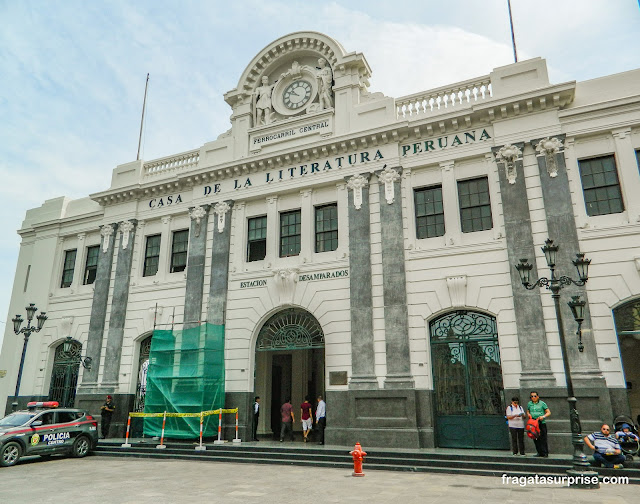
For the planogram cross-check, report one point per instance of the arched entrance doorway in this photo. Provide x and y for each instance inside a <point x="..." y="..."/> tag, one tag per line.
<point x="64" y="376"/>
<point x="467" y="378"/>
<point x="289" y="365"/>
<point x="627" y="320"/>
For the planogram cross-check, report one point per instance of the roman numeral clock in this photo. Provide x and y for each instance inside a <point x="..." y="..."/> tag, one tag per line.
<point x="297" y="94"/>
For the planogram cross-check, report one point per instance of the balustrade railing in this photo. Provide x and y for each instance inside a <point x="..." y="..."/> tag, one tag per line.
<point x="443" y="98"/>
<point x="178" y="162"/>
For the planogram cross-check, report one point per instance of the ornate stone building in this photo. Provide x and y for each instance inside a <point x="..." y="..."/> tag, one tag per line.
<point x="358" y="246"/>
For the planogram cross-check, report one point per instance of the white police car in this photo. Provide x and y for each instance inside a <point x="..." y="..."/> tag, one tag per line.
<point x="44" y="429"/>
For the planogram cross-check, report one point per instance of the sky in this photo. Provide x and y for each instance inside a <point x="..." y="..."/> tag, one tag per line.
<point x="72" y="73"/>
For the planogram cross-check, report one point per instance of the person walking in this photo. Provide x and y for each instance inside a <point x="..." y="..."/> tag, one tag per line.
<point x="286" y="411"/>
<point x="515" y="419"/>
<point x="307" y="417"/>
<point x="538" y="410"/>
<point x="107" y="411"/>
<point x="256" y="417"/>
<point x="321" y="418"/>
<point x="606" y="449"/>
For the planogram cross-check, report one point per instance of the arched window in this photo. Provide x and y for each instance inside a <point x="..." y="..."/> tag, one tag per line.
<point x="143" y="369"/>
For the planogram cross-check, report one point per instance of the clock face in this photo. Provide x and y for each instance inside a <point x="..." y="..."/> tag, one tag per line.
<point x="297" y="94"/>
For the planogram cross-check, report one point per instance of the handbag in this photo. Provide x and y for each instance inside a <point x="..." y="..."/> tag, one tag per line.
<point x="533" y="428"/>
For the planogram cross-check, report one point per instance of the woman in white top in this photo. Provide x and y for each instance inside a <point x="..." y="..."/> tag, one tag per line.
<point x="515" y="418"/>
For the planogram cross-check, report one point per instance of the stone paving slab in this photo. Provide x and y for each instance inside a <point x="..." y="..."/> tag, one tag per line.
<point x="141" y="481"/>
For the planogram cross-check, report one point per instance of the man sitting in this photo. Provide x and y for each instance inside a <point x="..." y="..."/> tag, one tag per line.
<point x="606" y="448"/>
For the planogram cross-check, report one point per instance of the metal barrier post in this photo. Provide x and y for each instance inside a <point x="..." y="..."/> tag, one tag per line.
<point x="162" y="446"/>
<point x="237" y="440"/>
<point x="126" y="441"/>
<point x="219" y="440"/>
<point x="201" y="447"/>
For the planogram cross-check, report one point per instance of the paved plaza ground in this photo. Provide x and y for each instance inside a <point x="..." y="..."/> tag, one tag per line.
<point x="98" y="479"/>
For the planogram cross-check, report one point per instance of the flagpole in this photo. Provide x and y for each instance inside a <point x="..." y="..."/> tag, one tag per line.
<point x="513" y="38"/>
<point x="144" y="104"/>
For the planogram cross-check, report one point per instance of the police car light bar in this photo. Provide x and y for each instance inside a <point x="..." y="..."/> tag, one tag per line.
<point x="43" y="404"/>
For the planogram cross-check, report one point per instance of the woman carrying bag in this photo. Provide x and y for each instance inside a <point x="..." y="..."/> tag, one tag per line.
<point x="515" y="419"/>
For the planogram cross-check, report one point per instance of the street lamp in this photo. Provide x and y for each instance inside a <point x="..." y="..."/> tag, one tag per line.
<point x="17" y="322"/>
<point x="81" y="359"/>
<point x="555" y="284"/>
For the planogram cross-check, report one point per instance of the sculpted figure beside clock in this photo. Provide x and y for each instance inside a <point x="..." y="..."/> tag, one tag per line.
<point x="325" y="84"/>
<point x="263" y="105"/>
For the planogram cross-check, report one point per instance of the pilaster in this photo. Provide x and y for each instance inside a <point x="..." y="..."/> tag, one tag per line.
<point x="119" y="303"/>
<point x="308" y="225"/>
<point x="195" y="265"/>
<point x="99" y="306"/>
<point x="361" y="297"/>
<point x="220" y="248"/>
<point x="627" y="165"/>
<point x="273" y="230"/>
<point x="532" y="338"/>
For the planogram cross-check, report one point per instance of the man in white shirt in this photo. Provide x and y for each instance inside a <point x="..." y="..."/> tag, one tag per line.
<point x="256" y="416"/>
<point x="321" y="418"/>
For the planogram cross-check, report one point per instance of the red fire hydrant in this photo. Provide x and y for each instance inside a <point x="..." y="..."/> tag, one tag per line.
<point x="358" y="456"/>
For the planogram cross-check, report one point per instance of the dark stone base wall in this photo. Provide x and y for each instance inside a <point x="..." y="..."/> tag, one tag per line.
<point x="244" y="402"/>
<point x="123" y="402"/>
<point x="380" y="418"/>
<point x="619" y="402"/>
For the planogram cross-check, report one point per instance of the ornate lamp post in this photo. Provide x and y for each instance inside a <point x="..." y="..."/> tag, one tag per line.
<point x="17" y="322"/>
<point x="555" y="284"/>
<point x="85" y="361"/>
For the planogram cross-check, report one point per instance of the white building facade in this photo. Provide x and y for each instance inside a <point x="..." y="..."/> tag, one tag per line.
<point x="359" y="247"/>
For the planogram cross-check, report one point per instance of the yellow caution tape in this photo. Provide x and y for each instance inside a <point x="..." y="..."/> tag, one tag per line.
<point x="181" y="415"/>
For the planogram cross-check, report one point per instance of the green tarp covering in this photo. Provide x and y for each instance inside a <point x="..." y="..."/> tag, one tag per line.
<point x="186" y="375"/>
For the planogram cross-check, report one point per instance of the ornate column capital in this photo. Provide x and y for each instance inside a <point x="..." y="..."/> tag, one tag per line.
<point x="220" y="209"/>
<point x="125" y="228"/>
<point x="388" y="176"/>
<point x="446" y="166"/>
<point x="106" y="232"/>
<point x="356" y="183"/>
<point x="508" y="155"/>
<point x="548" y="148"/>
<point x="196" y="214"/>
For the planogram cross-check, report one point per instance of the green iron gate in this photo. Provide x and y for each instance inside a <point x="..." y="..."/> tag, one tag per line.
<point x="64" y="376"/>
<point x="467" y="375"/>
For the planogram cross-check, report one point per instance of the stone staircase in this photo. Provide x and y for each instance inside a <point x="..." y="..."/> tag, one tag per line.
<point x="436" y="461"/>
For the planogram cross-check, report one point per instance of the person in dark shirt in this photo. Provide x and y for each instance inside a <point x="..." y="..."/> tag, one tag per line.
<point x="307" y="417"/>
<point x="256" y="418"/>
<point x="287" y="420"/>
<point x="107" y="411"/>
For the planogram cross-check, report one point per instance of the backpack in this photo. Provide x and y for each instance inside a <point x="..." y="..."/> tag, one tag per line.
<point x="533" y="428"/>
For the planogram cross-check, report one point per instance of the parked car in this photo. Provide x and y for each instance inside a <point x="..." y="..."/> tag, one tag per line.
<point x="45" y="429"/>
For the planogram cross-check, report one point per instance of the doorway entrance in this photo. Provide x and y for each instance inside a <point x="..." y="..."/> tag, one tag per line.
<point x="289" y="365"/>
<point x="627" y="320"/>
<point x="64" y="375"/>
<point x="467" y="375"/>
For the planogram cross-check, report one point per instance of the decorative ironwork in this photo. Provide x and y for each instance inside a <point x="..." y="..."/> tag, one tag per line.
<point x="64" y="376"/>
<point x="466" y="364"/>
<point x="463" y="325"/>
<point x="627" y="317"/>
<point x="290" y="329"/>
<point x="143" y="370"/>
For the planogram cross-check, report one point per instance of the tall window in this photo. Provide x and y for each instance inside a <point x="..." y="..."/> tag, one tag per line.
<point x="151" y="255"/>
<point x="91" y="266"/>
<point x="475" y="205"/>
<point x="429" y="212"/>
<point x="327" y="228"/>
<point x="68" y="267"/>
<point x="257" y="243"/>
<point x="179" y="251"/>
<point x="600" y="186"/>
<point x="290" y="229"/>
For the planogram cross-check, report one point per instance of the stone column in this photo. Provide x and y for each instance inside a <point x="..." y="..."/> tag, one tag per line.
<point x="220" y="263"/>
<point x="562" y="230"/>
<point x="195" y="265"/>
<point x="363" y="375"/>
<point x="119" y="305"/>
<point x="394" y="285"/>
<point x="99" y="306"/>
<point x="307" y="221"/>
<point x="532" y="339"/>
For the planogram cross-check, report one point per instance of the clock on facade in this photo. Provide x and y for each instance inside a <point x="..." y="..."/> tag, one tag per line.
<point x="297" y="94"/>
